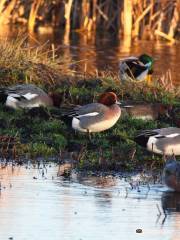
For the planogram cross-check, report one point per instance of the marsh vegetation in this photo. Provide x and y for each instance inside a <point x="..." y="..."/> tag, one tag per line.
<point x="42" y="133"/>
<point x="137" y="18"/>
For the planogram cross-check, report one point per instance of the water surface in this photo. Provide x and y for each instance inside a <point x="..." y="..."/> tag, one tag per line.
<point x="102" y="51"/>
<point x="41" y="205"/>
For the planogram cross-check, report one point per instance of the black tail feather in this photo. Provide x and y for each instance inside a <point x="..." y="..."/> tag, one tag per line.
<point x="3" y="97"/>
<point x="57" y="113"/>
<point x="142" y="140"/>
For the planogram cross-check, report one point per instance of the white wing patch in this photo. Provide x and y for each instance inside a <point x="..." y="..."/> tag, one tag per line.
<point x="172" y="135"/>
<point x="11" y="102"/>
<point x="145" y="117"/>
<point x="88" y="114"/>
<point x="14" y="95"/>
<point x="29" y="96"/>
<point x="11" y="99"/>
<point x="128" y="106"/>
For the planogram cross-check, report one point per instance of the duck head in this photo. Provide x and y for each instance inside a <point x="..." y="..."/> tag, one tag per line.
<point x="57" y="98"/>
<point x="164" y="109"/>
<point x="147" y="61"/>
<point x="108" y="99"/>
<point x="175" y="115"/>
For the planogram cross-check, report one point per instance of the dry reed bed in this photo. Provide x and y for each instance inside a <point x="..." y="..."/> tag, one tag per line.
<point x="136" y="18"/>
<point x="20" y="63"/>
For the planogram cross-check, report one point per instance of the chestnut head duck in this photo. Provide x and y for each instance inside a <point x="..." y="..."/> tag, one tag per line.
<point x="95" y="117"/>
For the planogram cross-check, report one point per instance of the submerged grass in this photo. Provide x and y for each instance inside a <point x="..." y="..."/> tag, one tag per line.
<point x="44" y="135"/>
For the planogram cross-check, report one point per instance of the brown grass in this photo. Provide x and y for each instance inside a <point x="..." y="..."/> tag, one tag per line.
<point x="21" y="63"/>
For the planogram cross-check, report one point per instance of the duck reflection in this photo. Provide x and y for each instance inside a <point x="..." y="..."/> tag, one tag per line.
<point x="103" y="199"/>
<point x="97" y="181"/>
<point x="170" y="202"/>
<point x="102" y="188"/>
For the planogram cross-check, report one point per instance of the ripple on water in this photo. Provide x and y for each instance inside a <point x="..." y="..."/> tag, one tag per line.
<point x="33" y="206"/>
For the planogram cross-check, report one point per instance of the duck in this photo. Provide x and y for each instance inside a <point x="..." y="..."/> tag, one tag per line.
<point x="95" y="117"/>
<point x="145" y="111"/>
<point x="163" y="141"/>
<point x="27" y="96"/>
<point x="175" y="116"/>
<point x="136" y="68"/>
<point x="171" y="174"/>
<point x="170" y="203"/>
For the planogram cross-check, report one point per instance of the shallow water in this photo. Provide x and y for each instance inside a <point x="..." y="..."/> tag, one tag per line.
<point x="40" y="205"/>
<point x="103" y="51"/>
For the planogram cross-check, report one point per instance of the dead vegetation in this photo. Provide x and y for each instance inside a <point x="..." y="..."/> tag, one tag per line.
<point x="135" y="18"/>
<point x="39" y="137"/>
<point x="21" y="63"/>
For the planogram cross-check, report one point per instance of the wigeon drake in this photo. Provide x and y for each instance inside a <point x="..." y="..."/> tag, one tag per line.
<point x="95" y="117"/>
<point x="27" y="96"/>
<point x="164" y="141"/>
<point x="145" y="111"/>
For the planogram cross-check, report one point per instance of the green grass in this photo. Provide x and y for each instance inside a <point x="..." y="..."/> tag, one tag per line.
<point x="48" y="136"/>
<point x="112" y="149"/>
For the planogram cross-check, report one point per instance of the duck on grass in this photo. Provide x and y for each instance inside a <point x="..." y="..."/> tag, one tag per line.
<point x="45" y="132"/>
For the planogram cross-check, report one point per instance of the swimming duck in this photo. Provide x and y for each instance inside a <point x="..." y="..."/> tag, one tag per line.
<point x="95" y="117"/>
<point x="28" y="96"/>
<point x="136" y="68"/>
<point x="171" y="175"/>
<point x="145" y="111"/>
<point x="164" y="141"/>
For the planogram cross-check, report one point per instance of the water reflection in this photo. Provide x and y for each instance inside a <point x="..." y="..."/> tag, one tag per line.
<point x="46" y="207"/>
<point x="171" y="207"/>
<point x="103" y="51"/>
<point x="171" y="202"/>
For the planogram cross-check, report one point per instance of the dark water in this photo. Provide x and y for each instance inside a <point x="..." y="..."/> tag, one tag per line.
<point x="103" y="51"/>
<point x="46" y="207"/>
